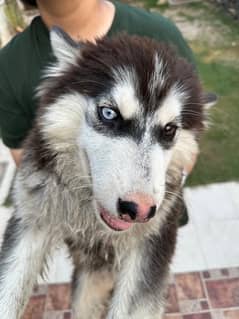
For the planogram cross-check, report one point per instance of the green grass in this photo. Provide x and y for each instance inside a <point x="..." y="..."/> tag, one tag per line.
<point x="219" y="158"/>
<point x="150" y="3"/>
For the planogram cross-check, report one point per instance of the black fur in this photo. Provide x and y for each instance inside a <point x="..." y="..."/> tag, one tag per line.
<point x="120" y="128"/>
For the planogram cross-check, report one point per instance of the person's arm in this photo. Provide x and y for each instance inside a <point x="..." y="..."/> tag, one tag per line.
<point x="16" y="155"/>
<point x="13" y="121"/>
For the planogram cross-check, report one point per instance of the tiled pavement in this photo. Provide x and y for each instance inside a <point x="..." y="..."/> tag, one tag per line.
<point x="210" y="294"/>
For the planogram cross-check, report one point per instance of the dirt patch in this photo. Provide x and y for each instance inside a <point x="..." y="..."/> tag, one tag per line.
<point x="198" y="23"/>
<point x="195" y="24"/>
<point x="205" y="31"/>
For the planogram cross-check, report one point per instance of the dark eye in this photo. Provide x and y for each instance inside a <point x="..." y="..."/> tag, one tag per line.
<point x="107" y="113"/>
<point x="170" y="130"/>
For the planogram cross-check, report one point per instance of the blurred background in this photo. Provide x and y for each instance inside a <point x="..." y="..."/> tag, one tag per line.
<point x="205" y="284"/>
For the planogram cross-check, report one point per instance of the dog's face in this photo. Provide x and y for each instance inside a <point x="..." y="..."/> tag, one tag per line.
<point x="134" y="109"/>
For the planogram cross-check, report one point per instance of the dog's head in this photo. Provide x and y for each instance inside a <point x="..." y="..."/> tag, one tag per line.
<point x="136" y="111"/>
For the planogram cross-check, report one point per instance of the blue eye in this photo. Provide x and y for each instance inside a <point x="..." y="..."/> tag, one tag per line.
<point x="108" y="113"/>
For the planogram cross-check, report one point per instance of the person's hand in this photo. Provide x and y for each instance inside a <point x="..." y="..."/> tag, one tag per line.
<point x="188" y="168"/>
<point x="16" y="155"/>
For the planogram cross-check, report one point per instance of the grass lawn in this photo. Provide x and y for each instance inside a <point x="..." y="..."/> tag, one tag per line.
<point x="218" y="65"/>
<point x="219" y="159"/>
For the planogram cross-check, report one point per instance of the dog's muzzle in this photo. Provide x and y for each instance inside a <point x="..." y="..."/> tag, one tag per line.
<point x="134" y="208"/>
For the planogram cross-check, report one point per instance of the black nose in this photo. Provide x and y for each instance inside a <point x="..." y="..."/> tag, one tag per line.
<point x="127" y="208"/>
<point x="132" y="209"/>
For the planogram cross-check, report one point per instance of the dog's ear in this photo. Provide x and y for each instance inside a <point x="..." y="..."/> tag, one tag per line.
<point x="209" y="99"/>
<point x="64" y="47"/>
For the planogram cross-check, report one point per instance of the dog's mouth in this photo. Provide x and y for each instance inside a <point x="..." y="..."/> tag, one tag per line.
<point x="113" y="222"/>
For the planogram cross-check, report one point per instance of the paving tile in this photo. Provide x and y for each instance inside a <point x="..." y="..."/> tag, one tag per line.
<point x="171" y="279"/>
<point x="233" y="272"/>
<point x="54" y="315"/>
<point x="216" y="241"/>
<point x="217" y="273"/>
<point x="204" y="304"/>
<point x="233" y="189"/>
<point x="223" y="293"/>
<point x="40" y="290"/>
<point x="186" y="297"/>
<point x="67" y="315"/>
<point x="172" y="300"/>
<point x="211" y="202"/>
<point x="217" y="314"/>
<point x="35" y="308"/>
<point x="206" y="274"/>
<point x="60" y="267"/>
<point x="189" y="286"/>
<point x="188" y="255"/>
<point x="223" y="273"/>
<point x="189" y="306"/>
<point x="172" y="316"/>
<point x="58" y="297"/>
<point x="205" y="315"/>
<point x="231" y="314"/>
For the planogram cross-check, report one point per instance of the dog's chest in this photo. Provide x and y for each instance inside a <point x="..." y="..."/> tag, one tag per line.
<point x="92" y="255"/>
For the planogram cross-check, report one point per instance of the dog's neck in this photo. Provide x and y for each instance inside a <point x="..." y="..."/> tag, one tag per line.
<point x="81" y="19"/>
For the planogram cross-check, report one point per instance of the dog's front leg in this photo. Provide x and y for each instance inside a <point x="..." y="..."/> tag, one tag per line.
<point x="21" y="259"/>
<point x="139" y="291"/>
<point x="91" y="292"/>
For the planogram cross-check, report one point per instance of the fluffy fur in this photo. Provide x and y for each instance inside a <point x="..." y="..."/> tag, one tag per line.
<point x="76" y="161"/>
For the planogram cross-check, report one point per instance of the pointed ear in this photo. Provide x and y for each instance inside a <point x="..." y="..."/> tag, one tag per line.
<point x="209" y="99"/>
<point x="64" y="47"/>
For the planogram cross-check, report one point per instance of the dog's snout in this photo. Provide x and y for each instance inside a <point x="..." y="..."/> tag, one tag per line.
<point x="136" y="207"/>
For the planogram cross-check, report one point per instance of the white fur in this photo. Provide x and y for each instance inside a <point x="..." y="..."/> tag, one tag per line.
<point x="157" y="78"/>
<point x="185" y="149"/>
<point x="127" y="168"/>
<point x="124" y="93"/>
<point x="61" y="122"/>
<point x="66" y="55"/>
<point x="64" y="52"/>
<point x="24" y="265"/>
<point x="171" y="107"/>
<point x="91" y="295"/>
<point x="125" y="287"/>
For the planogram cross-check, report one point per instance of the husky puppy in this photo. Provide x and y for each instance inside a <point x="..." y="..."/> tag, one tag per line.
<point x="102" y="168"/>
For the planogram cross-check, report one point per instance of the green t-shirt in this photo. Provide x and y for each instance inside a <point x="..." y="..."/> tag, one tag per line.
<point x="26" y="55"/>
